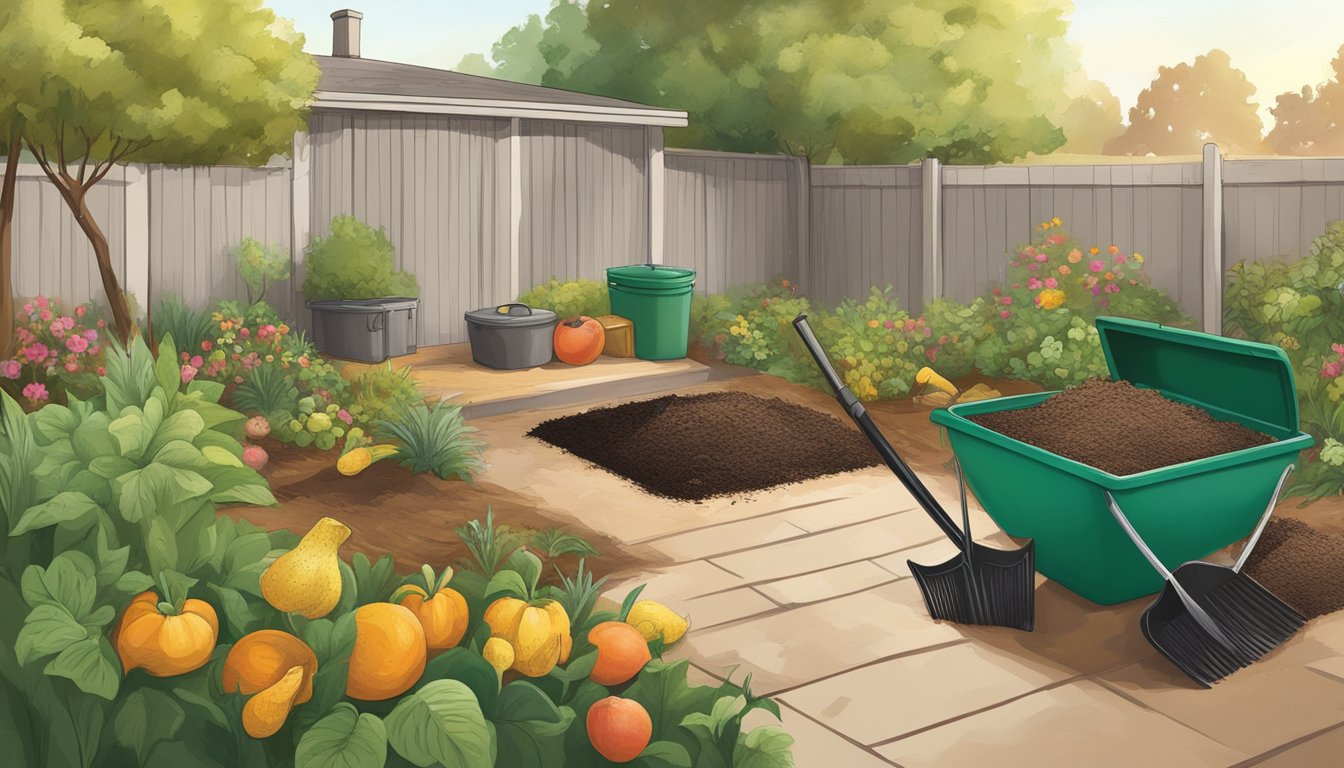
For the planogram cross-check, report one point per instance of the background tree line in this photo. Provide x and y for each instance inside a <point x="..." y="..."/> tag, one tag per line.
<point x="873" y="81"/>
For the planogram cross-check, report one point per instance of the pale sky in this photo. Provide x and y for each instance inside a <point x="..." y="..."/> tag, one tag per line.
<point x="1280" y="46"/>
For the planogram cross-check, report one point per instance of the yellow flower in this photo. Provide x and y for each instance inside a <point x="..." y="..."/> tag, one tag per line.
<point x="1056" y="221"/>
<point x="1138" y="257"/>
<point x="872" y="323"/>
<point x="1094" y="250"/>
<point x="1075" y="256"/>
<point x="1050" y="298"/>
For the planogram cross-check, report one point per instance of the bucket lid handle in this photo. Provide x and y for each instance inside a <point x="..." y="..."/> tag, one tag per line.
<point x="507" y="309"/>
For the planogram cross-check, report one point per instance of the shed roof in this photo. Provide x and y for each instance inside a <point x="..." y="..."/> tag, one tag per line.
<point x="386" y="86"/>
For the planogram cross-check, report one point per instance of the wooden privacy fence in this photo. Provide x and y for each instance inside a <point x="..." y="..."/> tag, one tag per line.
<point x="482" y="208"/>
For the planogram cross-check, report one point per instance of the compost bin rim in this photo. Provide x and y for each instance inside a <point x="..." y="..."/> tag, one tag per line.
<point x="950" y="418"/>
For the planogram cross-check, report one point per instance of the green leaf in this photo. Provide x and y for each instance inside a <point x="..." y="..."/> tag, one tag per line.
<point x="134" y="582"/>
<point x="222" y="456"/>
<point x="468" y="668"/>
<point x="629" y="602"/>
<point x="46" y="630"/>
<point x="112" y="467"/>
<point x="507" y="582"/>
<point x="134" y="430"/>
<point x="343" y="738"/>
<point x="442" y="723"/>
<point x="69" y="509"/>
<point x="664" y="754"/>
<point x="111" y="562"/>
<point x="376" y="580"/>
<point x="530" y="728"/>
<point x="577" y="669"/>
<point x="209" y="391"/>
<point x="91" y="664"/>
<point x="768" y="746"/>
<point x="146" y="491"/>
<point x="180" y="454"/>
<point x="146" y="718"/>
<point x="239" y="616"/>
<point x="258" y="495"/>
<point x="166" y="373"/>
<point x="528" y="566"/>
<point x="68" y="582"/>
<point x="666" y="695"/>
<point x="332" y="643"/>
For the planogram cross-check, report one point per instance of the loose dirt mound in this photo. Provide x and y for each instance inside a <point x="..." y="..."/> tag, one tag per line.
<point x="1301" y="565"/>
<point x="1119" y="428"/>
<point x="695" y="447"/>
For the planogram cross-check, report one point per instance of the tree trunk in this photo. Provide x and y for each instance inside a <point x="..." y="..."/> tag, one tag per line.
<point x="7" y="246"/>
<point x="116" y="297"/>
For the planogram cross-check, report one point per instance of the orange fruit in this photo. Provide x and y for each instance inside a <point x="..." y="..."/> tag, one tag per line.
<point x="165" y="645"/>
<point x="443" y="617"/>
<point x="619" y="729"/>
<point x="261" y="659"/>
<point x="389" y="654"/>
<point x="621" y="652"/>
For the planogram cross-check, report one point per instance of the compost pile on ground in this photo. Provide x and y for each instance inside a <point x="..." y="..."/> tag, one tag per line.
<point x="698" y="446"/>
<point x="1301" y="565"/>
<point x="1122" y="429"/>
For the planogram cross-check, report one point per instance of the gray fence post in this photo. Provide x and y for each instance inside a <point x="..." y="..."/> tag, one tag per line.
<point x="1213" y="240"/>
<point x="931" y="192"/>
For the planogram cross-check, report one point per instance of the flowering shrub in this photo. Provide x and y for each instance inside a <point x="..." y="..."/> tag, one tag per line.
<point x="1040" y="323"/>
<point x="570" y="298"/>
<point x="751" y="325"/>
<point x="55" y="352"/>
<point x="878" y="347"/>
<point x="1299" y="306"/>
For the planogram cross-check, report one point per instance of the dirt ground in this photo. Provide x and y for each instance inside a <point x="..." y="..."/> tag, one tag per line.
<point x="413" y="517"/>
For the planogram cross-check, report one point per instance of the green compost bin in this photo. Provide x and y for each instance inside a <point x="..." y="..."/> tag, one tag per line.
<point x="1184" y="511"/>
<point x="657" y="301"/>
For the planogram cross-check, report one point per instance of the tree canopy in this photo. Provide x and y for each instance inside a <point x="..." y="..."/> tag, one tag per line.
<point x="1311" y="122"/>
<point x="853" y="81"/>
<point x="1091" y="119"/>
<point x="1189" y="105"/>
<point x="191" y="82"/>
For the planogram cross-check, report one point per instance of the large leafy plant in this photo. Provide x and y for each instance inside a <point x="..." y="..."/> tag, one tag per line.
<point x="355" y="261"/>
<point x="570" y="298"/>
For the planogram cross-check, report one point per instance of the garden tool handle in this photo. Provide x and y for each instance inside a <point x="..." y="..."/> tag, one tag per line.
<point x="865" y="423"/>
<point x="927" y="375"/>
<point x="1264" y="520"/>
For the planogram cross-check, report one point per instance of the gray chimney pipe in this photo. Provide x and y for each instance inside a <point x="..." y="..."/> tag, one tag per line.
<point x="345" y="33"/>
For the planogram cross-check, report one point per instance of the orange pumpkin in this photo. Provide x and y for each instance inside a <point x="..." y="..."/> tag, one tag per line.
<point x="389" y="654"/>
<point x="579" y="340"/>
<point x="261" y="659"/>
<point x="165" y="644"/>
<point x="443" y="616"/>
<point x="621" y="652"/>
<point x="619" y="729"/>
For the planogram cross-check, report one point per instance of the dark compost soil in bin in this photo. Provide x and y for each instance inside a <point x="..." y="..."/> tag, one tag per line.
<point x="1121" y="429"/>
<point x="1301" y="565"/>
<point x="698" y="446"/>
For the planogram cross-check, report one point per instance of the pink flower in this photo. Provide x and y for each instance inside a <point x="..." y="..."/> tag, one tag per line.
<point x="1033" y="283"/>
<point x="1032" y="267"/>
<point x="41" y="302"/>
<point x="1112" y="288"/>
<point x="1051" y="282"/>
<point x="36" y="352"/>
<point x="25" y="336"/>
<point x="1096" y="290"/>
<point x="1097" y="265"/>
<point x="932" y="354"/>
<point x="1029" y="250"/>
<point x="1338" y="349"/>
<point x="67" y="322"/>
<point x="197" y="362"/>
<point x="1054" y="240"/>
<point x="1041" y="257"/>
<point x="188" y="373"/>
<point x="345" y="416"/>
<point x="909" y="325"/>
<point x="1015" y="285"/>
<point x="244" y="332"/>
<point x="28" y="308"/>
<point x="889" y="325"/>
<point x="36" y="392"/>
<point x="45" y="315"/>
<point x="11" y="369"/>
<point x="80" y="310"/>
<point x="928" y="332"/>
<point x="1330" y="370"/>
<point x="1007" y="301"/>
<point x="57" y="328"/>
<point x="91" y="335"/>
<point x="1119" y="258"/>
<point x="102" y="371"/>
<point x="102" y="323"/>
<point x="206" y="345"/>
<point x="72" y="366"/>
<point x="77" y="344"/>
<point x="94" y="349"/>
<point x="1004" y="313"/>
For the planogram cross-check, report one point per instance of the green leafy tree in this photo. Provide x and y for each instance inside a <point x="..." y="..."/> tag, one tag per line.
<point x="193" y="82"/>
<point x="1189" y="105"/>
<point x="1091" y="119"/>
<point x="852" y="81"/>
<point x="260" y="267"/>
<point x="1311" y="122"/>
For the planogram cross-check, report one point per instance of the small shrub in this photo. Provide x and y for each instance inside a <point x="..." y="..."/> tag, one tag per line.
<point x="267" y="391"/>
<point x="355" y="261"/>
<point x="752" y="325"/>
<point x="877" y="346"/>
<point x="570" y="298"/>
<point x="383" y="391"/>
<point x="187" y="326"/>
<point x="434" y="439"/>
<point x="260" y="267"/>
<point x="56" y="353"/>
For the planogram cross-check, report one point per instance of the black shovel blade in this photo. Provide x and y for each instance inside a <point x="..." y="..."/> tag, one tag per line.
<point x="1252" y="617"/>
<point x="996" y="587"/>
<point x="1175" y="634"/>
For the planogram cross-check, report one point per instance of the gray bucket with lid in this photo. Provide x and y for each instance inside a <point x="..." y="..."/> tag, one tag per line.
<point x="511" y="336"/>
<point x="366" y="330"/>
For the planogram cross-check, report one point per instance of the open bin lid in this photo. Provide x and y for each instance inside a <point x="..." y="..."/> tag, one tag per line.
<point x="1227" y="377"/>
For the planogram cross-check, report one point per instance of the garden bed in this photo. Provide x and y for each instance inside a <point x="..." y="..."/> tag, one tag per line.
<point x="697" y="447"/>
<point x="411" y="517"/>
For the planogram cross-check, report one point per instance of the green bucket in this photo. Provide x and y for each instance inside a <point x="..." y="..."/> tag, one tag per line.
<point x="1184" y="511"/>
<point x="657" y="301"/>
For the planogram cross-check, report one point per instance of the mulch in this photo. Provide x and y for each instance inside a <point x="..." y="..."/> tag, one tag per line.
<point x="1301" y="565"/>
<point x="696" y="447"/>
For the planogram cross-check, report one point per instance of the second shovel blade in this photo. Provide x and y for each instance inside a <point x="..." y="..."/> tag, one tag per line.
<point x="1002" y="593"/>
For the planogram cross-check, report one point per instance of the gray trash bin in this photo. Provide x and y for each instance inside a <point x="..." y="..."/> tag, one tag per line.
<point x="366" y="330"/>
<point x="511" y="336"/>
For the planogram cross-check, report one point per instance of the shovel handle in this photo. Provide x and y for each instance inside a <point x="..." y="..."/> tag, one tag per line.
<point x="865" y="423"/>
<point x="1264" y="519"/>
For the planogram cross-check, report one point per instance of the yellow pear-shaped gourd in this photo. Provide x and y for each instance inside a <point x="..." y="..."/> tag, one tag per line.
<point x="307" y="579"/>
<point x="656" y="621"/>
<point x="266" y="711"/>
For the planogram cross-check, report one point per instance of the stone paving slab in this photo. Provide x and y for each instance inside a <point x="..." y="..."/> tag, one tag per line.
<point x="722" y="607"/>
<point x="890" y="699"/>
<point x="824" y="585"/>
<point x="1323" y="749"/>
<point x="1076" y="725"/>
<point x="830" y="548"/>
<point x="816" y="746"/>
<point x="802" y="645"/>
<point x="726" y="537"/>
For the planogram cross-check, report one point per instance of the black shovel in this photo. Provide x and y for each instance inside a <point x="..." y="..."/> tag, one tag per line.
<point x="1211" y="620"/>
<point x="980" y="585"/>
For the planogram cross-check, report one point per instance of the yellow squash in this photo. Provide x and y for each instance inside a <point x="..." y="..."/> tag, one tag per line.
<point x="266" y="711"/>
<point x="537" y="632"/>
<point x="307" y="579"/>
<point x="655" y="620"/>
